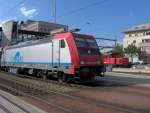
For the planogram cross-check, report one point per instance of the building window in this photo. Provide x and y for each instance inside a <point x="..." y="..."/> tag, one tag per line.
<point x="130" y="35"/>
<point x="143" y="41"/>
<point x="147" y="40"/>
<point x="136" y="34"/>
<point x="144" y="34"/>
<point x="147" y="33"/>
<point x="134" y="41"/>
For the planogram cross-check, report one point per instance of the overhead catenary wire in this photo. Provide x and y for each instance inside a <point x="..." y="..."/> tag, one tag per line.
<point x="84" y="8"/>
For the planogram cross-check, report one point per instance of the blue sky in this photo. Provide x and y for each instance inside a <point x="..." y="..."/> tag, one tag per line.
<point x="108" y="20"/>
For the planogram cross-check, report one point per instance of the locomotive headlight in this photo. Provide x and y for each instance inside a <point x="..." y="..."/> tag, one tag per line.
<point x="98" y="62"/>
<point x="82" y="62"/>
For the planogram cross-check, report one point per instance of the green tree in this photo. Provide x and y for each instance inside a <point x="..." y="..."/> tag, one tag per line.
<point x="132" y="50"/>
<point x="119" y="49"/>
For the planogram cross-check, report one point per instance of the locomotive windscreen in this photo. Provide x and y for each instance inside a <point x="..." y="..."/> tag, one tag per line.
<point x="87" y="46"/>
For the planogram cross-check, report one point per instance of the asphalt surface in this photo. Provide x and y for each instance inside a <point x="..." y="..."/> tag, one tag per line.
<point x="115" y="93"/>
<point x="135" y="79"/>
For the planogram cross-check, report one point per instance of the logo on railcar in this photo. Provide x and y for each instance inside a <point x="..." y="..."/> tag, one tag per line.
<point x="18" y="57"/>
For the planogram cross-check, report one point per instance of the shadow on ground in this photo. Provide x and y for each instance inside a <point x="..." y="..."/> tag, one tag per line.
<point x="113" y="80"/>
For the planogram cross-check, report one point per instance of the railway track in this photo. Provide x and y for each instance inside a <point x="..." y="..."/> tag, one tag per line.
<point x="49" y="81"/>
<point x="31" y="88"/>
<point x="36" y="83"/>
<point x="18" y="87"/>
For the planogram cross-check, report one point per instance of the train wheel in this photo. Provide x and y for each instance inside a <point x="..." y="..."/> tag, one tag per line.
<point x="44" y="77"/>
<point x="39" y="74"/>
<point x="61" y="77"/>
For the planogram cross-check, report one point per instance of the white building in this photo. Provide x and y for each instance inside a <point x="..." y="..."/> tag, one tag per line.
<point x="140" y="36"/>
<point x="137" y="35"/>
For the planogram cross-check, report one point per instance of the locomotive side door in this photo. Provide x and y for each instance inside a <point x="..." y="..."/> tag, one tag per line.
<point x="61" y="53"/>
<point x="56" y="53"/>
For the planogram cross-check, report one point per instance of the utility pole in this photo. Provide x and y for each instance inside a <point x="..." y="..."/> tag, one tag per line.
<point x="54" y="10"/>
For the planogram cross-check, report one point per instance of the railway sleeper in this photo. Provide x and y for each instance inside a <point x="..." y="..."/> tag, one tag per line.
<point x="11" y="90"/>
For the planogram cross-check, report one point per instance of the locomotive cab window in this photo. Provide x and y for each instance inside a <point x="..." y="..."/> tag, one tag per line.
<point x="62" y="43"/>
<point x="85" y="44"/>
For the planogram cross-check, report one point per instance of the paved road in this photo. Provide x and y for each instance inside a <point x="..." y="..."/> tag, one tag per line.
<point x="135" y="79"/>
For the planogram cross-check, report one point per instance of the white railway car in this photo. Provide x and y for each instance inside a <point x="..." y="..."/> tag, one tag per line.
<point x="64" y="55"/>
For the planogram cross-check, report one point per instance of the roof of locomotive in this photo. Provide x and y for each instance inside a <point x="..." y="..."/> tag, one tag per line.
<point x="31" y="43"/>
<point x="60" y="35"/>
<point x="47" y="40"/>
